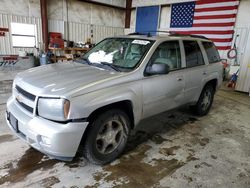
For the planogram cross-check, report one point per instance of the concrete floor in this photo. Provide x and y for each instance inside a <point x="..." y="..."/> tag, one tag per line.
<point x="169" y="150"/>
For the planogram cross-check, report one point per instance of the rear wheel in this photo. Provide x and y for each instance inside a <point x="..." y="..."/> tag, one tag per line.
<point x="107" y="136"/>
<point x="205" y="101"/>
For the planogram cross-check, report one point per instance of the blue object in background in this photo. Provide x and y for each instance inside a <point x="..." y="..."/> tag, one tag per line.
<point x="147" y="19"/>
<point x="43" y="59"/>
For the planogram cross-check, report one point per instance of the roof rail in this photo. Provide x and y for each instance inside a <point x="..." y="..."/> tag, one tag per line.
<point x="138" y="33"/>
<point x="194" y="36"/>
<point x="149" y="33"/>
<point x="171" y="33"/>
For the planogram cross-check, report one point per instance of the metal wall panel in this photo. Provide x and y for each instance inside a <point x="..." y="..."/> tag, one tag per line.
<point x="243" y="46"/>
<point x="56" y="26"/>
<point x="77" y="31"/>
<point x="6" y="41"/>
<point x="81" y="32"/>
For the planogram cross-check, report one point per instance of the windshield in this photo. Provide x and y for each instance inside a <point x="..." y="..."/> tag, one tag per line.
<point x="120" y="54"/>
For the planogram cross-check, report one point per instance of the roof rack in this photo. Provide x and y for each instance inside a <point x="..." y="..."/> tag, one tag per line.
<point x="138" y="33"/>
<point x="171" y="33"/>
<point x="194" y="36"/>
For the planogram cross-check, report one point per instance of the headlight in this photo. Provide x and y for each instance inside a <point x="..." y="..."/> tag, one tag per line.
<point x="53" y="109"/>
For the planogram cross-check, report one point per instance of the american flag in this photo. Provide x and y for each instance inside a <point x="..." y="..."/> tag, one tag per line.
<point x="214" y="19"/>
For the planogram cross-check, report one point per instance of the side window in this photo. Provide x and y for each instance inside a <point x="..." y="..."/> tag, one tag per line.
<point x="167" y="53"/>
<point x="212" y="53"/>
<point x="193" y="54"/>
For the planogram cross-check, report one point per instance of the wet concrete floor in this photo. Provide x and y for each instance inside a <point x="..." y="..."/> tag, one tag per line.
<point x="173" y="149"/>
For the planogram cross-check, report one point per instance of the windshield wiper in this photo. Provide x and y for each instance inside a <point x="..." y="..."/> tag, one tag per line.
<point x="87" y="60"/>
<point x="111" y="65"/>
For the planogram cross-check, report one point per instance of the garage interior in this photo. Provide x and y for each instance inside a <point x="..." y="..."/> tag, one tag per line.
<point x="172" y="149"/>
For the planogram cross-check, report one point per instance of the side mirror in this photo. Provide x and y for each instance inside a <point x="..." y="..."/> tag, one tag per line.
<point x="157" y="68"/>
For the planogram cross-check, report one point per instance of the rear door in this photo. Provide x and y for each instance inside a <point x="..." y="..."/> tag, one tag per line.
<point x="196" y="70"/>
<point x="215" y="67"/>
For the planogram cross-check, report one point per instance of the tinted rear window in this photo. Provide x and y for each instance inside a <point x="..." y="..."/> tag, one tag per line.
<point x="212" y="53"/>
<point x="193" y="54"/>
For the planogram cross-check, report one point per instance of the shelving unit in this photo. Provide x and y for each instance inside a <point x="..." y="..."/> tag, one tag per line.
<point x="63" y="51"/>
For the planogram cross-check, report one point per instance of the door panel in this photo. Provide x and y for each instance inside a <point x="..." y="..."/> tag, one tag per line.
<point x="194" y="78"/>
<point x="195" y="72"/>
<point x="163" y="92"/>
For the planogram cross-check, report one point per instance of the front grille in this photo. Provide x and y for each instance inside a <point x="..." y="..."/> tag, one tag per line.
<point x="28" y="103"/>
<point x="25" y="93"/>
<point x="28" y="108"/>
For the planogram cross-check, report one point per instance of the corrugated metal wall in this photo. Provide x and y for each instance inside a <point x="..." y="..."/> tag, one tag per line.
<point x="6" y="41"/>
<point x="77" y="31"/>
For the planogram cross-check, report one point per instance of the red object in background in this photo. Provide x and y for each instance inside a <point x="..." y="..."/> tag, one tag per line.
<point x="225" y="63"/>
<point x="2" y="34"/>
<point x="10" y="57"/>
<point x="4" y="29"/>
<point x="56" y="43"/>
<point x="55" y="35"/>
<point x="56" y="40"/>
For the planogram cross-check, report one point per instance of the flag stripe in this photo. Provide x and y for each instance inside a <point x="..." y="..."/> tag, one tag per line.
<point x="221" y="39"/>
<point x="223" y="36"/>
<point x="216" y="8"/>
<point x="205" y="29"/>
<point x="221" y="44"/>
<point x="213" y="1"/>
<point x="202" y="32"/>
<point x="217" y="4"/>
<point x="215" y="20"/>
<point x="223" y="47"/>
<point x="223" y="12"/>
<point x="213" y="24"/>
<point x="215" y="16"/>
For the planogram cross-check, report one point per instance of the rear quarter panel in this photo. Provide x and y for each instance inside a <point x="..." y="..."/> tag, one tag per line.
<point x="215" y="71"/>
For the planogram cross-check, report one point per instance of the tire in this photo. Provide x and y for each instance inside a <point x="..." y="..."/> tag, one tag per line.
<point x="205" y="101"/>
<point x="106" y="137"/>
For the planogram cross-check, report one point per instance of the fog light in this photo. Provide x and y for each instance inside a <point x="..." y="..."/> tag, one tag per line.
<point x="45" y="140"/>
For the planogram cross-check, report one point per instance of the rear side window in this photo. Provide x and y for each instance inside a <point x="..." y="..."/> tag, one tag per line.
<point x="212" y="53"/>
<point x="193" y="54"/>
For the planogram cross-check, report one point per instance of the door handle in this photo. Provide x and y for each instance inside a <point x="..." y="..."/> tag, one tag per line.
<point x="204" y="73"/>
<point x="179" y="79"/>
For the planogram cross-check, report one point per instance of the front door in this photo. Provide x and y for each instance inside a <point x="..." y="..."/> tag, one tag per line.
<point x="164" y="92"/>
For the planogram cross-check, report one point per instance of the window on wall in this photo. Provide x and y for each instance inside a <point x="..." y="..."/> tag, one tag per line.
<point x="23" y="35"/>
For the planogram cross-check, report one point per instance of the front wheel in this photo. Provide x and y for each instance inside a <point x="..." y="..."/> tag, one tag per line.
<point x="107" y="137"/>
<point x="205" y="101"/>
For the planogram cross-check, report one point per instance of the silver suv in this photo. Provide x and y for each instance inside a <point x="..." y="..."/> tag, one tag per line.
<point x="94" y="102"/>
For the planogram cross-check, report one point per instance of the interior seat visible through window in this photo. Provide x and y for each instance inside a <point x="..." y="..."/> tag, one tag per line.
<point x="167" y="53"/>
<point x="135" y="52"/>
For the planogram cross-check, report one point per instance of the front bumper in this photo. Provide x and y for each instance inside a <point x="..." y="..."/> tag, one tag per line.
<point x="57" y="140"/>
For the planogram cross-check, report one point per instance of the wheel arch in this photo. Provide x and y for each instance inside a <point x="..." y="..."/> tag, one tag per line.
<point x="125" y="105"/>
<point x="213" y="83"/>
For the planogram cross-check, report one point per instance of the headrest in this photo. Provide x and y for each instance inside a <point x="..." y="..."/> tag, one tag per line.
<point x="135" y="48"/>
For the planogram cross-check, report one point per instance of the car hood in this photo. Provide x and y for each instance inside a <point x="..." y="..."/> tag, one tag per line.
<point x="63" y="78"/>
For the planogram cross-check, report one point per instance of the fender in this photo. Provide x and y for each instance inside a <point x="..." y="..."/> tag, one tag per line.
<point x="82" y="106"/>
